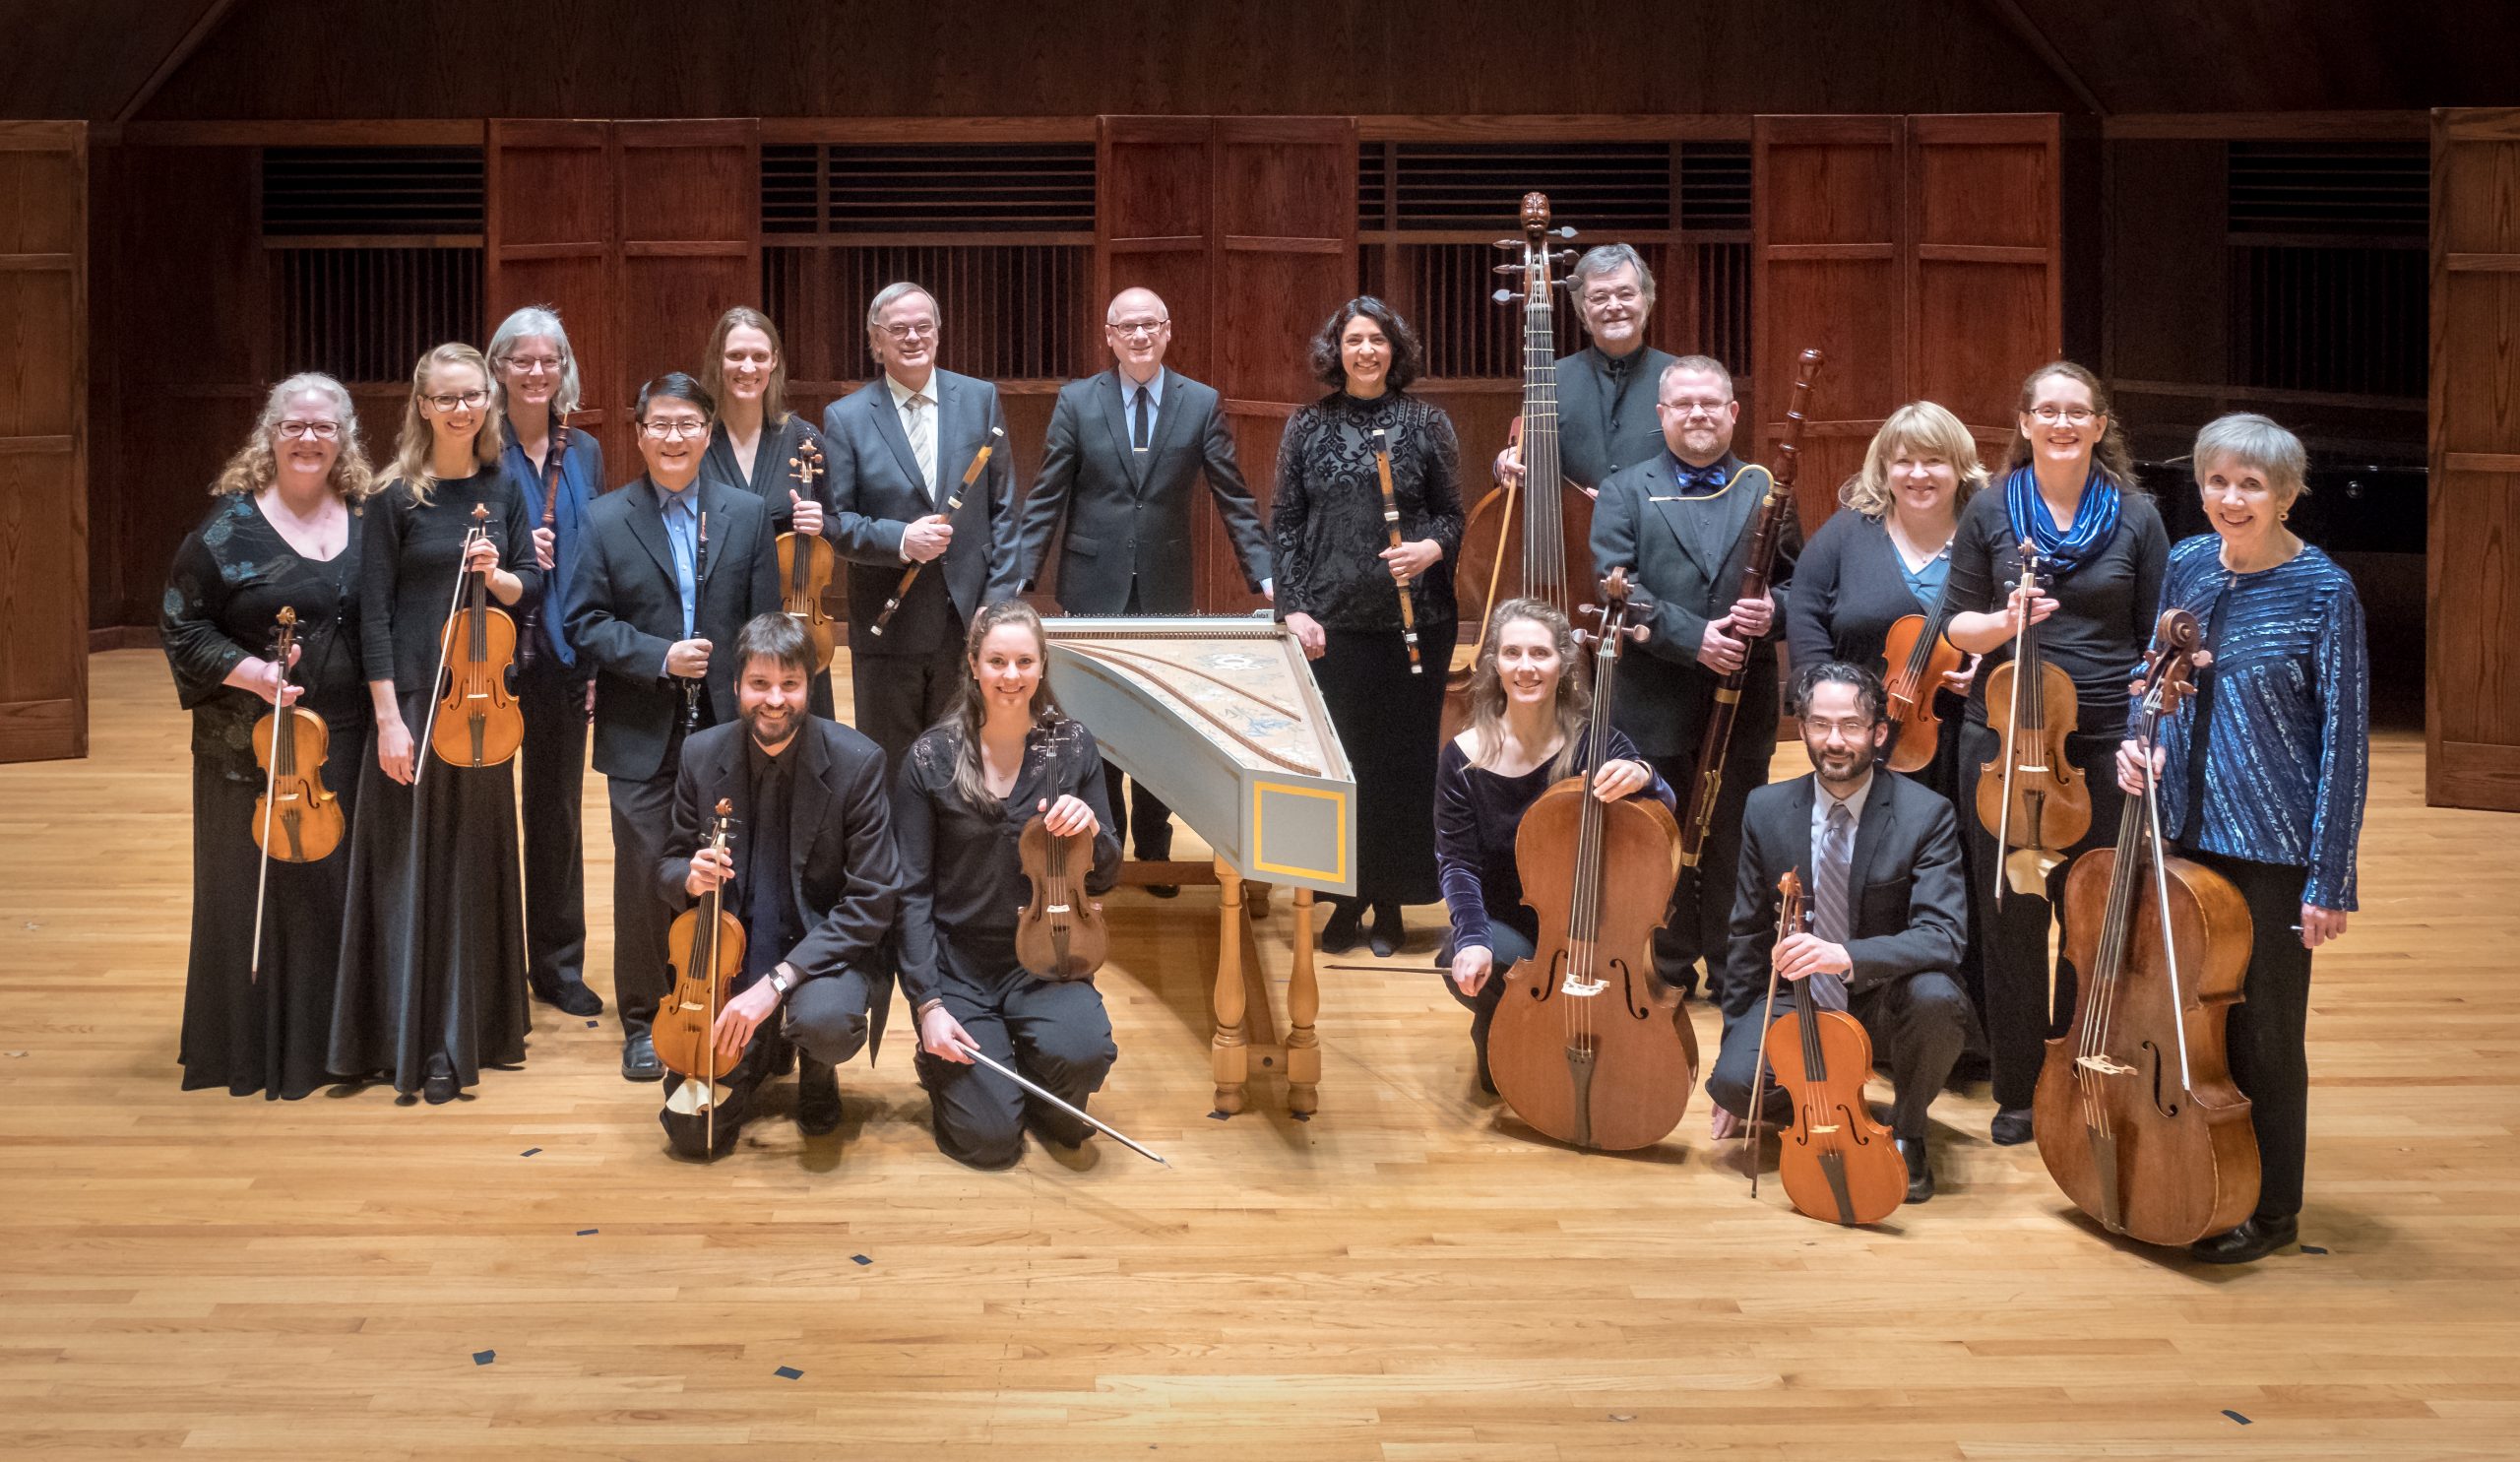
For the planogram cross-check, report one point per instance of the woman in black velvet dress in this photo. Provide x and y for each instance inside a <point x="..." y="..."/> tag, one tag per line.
<point x="283" y="532"/>
<point x="433" y="965"/>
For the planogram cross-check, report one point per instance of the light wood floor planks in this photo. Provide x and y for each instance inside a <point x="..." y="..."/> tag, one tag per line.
<point x="1403" y="1278"/>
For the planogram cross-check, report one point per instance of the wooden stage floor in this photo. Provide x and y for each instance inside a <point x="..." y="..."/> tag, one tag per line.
<point x="526" y="1274"/>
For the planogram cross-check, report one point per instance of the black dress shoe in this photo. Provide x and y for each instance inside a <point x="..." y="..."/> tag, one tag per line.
<point x="571" y="996"/>
<point x="2011" y="1127"/>
<point x="1339" y="935"/>
<point x="1388" y="931"/>
<point x="817" y="1098"/>
<point x="2249" y="1242"/>
<point x="1919" y="1170"/>
<point x="439" y="1088"/>
<point x="639" y="1059"/>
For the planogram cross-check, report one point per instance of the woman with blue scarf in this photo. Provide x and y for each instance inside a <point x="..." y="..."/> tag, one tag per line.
<point x="2069" y="490"/>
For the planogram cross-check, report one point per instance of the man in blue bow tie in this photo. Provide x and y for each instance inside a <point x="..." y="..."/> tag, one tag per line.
<point x="1680" y="522"/>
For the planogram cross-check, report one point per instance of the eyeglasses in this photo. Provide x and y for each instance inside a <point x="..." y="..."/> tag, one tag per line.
<point x="460" y="399"/>
<point x="1696" y="408"/>
<point x="1595" y="298"/>
<point x="679" y="426"/>
<point x="1134" y="328"/>
<point x="322" y="431"/>
<point x="914" y="330"/>
<point x="2070" y="415"/>
<point x="533" y="366"/>
<point x="1851" y="730"/>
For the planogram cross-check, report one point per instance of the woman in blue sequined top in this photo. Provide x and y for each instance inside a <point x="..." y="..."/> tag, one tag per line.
<point x="2262" y="774"/>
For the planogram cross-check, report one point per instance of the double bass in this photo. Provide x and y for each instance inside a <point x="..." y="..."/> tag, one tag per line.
<point x="1548" y="521"/>
<point x="1588" y="1046"/>
<point x="2136" y="1113"/>
<point x="476" y="721"/>
<point x="706" y="948"/>
<point x="2031" y="797"/>
<point x="805" y="567"/>
<point x="1061" y="933"/>
<point x="1837" y="1162"/>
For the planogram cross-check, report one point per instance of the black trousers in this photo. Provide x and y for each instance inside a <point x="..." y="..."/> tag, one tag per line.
<point x="1144" y="811"/>
<point x="1700" y="926"/>
<point x="551" y="793"/>
<point x="899" y="696"/>
<point x="642" y="816"/>
<point x="824" y="1019"/>
<point x="2268" y="1033"/>
<point x="1509" y="948"/>
<point x="1918" y="1025"/>
<point x="1056" y="1033"/>
<point x="2013" y="939"/>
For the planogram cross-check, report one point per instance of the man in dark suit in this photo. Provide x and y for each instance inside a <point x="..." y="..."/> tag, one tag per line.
<point x="1125" y="454"/>
<point x="673" y="565"/>
<point x="1606" y="392"/>
<point x="898" y="448"/>
<point x="810" y="872"/>
<point x="1880" y="859"/>
<point x="1680" y="522"/>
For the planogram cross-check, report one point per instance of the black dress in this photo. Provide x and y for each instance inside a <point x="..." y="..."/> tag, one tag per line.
<point x="433" y="964"/>
<point x="231" y="579"/>
<point x="772" y="479"/>
<point x="1327" y="526"/>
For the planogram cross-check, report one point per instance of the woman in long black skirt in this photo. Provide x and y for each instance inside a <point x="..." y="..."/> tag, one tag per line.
<point x="283" y="534"/>
<point x="433" y="962"/>
<point x="1339" y="584"/>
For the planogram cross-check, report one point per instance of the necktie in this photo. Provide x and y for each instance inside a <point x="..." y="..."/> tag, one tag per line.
<point x="1137" y="431"/>
<point x="1830" y="866"/>
<point x="922" y="441"/>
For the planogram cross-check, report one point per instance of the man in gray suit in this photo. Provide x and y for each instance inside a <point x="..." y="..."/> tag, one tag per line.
<point x="1126" y="453"/>
<point x="1605" y="416"/>
<point x="898" y="448"/>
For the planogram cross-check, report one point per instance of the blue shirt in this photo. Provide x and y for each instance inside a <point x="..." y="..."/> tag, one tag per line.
<point x="682" y="530"/>
<point x="2288" y="754"/>
<point x="1926" y="583"/>
<point x="1154" y="401"/>
<point x="581" y="479"/>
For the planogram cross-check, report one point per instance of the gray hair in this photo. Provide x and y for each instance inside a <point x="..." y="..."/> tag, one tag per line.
<point x="886" y="296"/>
<point x="1602" y="259"/>
<point x="2252" y="440"/>
<point x="531" y="321"/>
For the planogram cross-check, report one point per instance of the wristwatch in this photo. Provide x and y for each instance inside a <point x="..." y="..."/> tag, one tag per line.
<point x="781" y="981"/>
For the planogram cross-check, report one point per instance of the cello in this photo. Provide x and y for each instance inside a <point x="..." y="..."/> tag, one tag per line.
<point x="2031" y="797"/>
<point x="476" y="721"/>
<point x="706" y="948"/>
<point x="805" y="566"/>
<point x="1553" y="517"/>
<point x="1061" y="933"/>
<point x="1917" y="656"/>
<point x="1588" y="1046"/>
<point x="2136" y="1114"/>
<point x="1837" y="1162"/>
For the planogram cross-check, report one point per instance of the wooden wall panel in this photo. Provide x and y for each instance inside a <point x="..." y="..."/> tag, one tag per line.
<point x="1986" y="266"/>
<point x="2472" y="680"/>
<point x="688" y="196"/>
<point x="43" y="433"/>
<point x="551" y="237"/>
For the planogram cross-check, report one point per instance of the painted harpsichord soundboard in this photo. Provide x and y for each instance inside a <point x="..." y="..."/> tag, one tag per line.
<point x="1220" y="717"/>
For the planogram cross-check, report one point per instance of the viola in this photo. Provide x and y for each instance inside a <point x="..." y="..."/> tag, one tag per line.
<point x="1061" y="933"/>
<point x="477" y="721"/>
<point x="296" y="819"/>
<point x="1917" y="656"/>
<point x="806" y="563"/>
<point x="2136" y="1114"/>
<point x="2031" y="797"/>
<point x="1588" y="1046"/>
<point x="1837" y="1163"/>
<point x="706" y="948"/>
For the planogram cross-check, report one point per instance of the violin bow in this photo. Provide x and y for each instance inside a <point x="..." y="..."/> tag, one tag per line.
<point x="2158" y="698"/>
<point x="429" y="725"/>
<point x="270" y="802"/>
<point x="1027" y="1084"/>
<point x="953" y="505"/>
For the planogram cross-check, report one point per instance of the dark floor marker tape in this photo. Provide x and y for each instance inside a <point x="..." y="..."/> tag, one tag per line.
<point x="583" y="1233"/>
<point x="2236" y="1417"/>
<point x="484" y="1358"/>
<point x="590" y="1025"/>
<point x="2313" y="1248"/>
<point x="1218" y="1117"/>
<point x="529" y="1152"/>
<point x="861" y="1258"/>
<point x="789" y="1373"/>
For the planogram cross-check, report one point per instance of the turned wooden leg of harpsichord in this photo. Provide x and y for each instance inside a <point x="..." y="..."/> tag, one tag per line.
<point x="1303" y="1002"/>
<point x="1233" y="1056"/>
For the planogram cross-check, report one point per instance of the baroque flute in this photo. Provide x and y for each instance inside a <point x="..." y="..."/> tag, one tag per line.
<point x="1391" y="523"/>
<point x="953" y="505"/>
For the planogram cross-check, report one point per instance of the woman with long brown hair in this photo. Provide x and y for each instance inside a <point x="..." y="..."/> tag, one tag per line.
<point x="283" y="534"/>
<point x="759" y="445"/>
<point x="965" y="787"/>
<point x="1529" y="701"/>
<point x="433" y="968"/>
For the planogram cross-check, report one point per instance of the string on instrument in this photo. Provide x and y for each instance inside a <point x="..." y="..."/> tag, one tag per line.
<point x="808" y="562"/>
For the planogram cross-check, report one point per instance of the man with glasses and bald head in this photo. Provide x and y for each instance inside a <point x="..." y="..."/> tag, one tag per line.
<point x="896" y="448"/>
<point x="1126" y="451"/>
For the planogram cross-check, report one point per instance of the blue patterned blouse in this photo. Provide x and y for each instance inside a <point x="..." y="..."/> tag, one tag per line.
<point x="2289" y="752"/>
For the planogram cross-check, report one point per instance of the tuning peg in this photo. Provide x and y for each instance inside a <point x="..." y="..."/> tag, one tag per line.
<point x="1505" y="268"/>
<point x="1504" y="296"/>
<point x="1566" y="230"/>
<point x="1509" y="243"/>
<point x="1562" y="256"/>
<point x="1589" y="612"/>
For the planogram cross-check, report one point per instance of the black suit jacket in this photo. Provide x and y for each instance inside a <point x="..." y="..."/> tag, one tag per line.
<point x="1909" y="900"/>
<point x="876" y="492"/>
<point x="1590" y="445"/>
<point x="843" y="868"/>
<point x="1129" y="514"/>
<point x="626" y="611"/>
<point x="1641" y="523"/>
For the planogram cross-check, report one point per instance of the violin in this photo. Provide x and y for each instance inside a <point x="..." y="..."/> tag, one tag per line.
<point x="806" y="563"/>
<point x="706" y="948"/>
<point x="1917" y="658"/>
<point x="296" y="819"/>
<point x="2032" y="798"/>
<point x="2136" y="1113"/>
<point x="1061" y="933"/>
<point x="477" y="721"/>
<point x="1391" y="526"/>
<point x="1837" y="1163"/>
<point x="953" y="505"/>
<point x="1588" y="1046"/>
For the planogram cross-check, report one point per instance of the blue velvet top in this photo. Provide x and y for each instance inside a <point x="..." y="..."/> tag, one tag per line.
<point x="2289" y="742"/>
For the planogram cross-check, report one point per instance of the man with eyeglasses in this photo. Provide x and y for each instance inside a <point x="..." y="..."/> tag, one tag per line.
<point x="1126" y="450"/>
<point x="674" y="565"/>
<point x="898" y="448"/>
<point x="1605" y="416"/>
<point x="1680" y="523"/>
